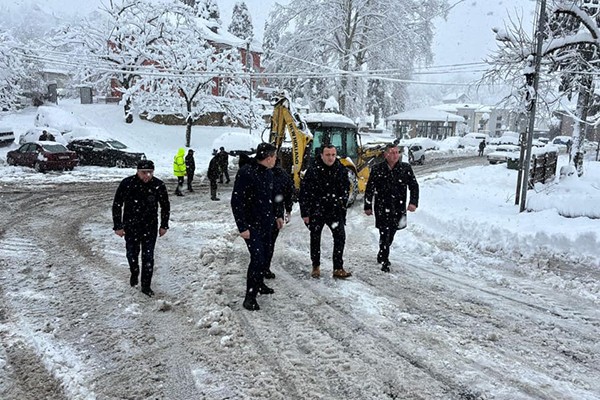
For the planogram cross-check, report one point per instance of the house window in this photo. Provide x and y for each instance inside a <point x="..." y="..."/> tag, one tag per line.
<point x="499" y="118"/>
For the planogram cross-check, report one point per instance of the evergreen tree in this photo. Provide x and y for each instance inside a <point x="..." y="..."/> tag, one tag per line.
<point x="241" y="21"/>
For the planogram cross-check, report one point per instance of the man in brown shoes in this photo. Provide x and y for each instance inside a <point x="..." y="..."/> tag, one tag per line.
<point x="323" y="201"/>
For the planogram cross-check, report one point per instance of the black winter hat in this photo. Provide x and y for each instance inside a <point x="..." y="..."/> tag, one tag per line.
<point x="145" y="164"/>
<point x="265" y="150"/>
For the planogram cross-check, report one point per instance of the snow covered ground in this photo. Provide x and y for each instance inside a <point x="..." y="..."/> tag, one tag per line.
<point x="482" y="302"/>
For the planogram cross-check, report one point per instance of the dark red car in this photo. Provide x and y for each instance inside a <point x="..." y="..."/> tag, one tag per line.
<point x="43" y="156"/>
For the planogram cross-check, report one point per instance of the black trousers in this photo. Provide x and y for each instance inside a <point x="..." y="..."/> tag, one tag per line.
<point x="144" y="243"/>
<point x="274" y="235"/>
<point x="386" y="238"/>
<point x="225" y="173"/>
<point x="180" y="180"/>
<point x="338" y="231"/>
<point x="190" y="178"/>
<point x="213" y="188"/>
<point x="259" y="247"/>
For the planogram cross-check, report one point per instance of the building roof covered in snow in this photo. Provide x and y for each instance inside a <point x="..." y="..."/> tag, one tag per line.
<point x="425" y="114"/>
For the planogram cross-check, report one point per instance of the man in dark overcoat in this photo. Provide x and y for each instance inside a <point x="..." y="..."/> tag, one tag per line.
<point x="323" y="200"/>
<point x="387" y="186"/>
<point x="224" y="164"/>
<point x="190" y="168"/>
<point x="135" y="217"/>
<point x="214" y="170"/>
<point x="252" y="204"/>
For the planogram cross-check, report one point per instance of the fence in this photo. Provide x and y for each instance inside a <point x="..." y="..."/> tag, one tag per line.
<point x="542" y="167"/>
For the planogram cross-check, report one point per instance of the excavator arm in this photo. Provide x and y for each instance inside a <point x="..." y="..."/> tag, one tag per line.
<point x="284" y="123"/>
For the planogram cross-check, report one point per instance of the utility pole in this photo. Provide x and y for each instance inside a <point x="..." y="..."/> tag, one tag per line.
<point x="249" y="69"/>
<point x="533" y="81"/>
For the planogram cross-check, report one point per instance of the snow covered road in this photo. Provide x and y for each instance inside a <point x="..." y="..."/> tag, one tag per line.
<point x="494" y="327"/>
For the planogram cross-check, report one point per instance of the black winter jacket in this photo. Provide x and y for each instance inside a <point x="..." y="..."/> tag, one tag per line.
<point x="190" y="164"/>
<point x="324" y="191"/>
<point x="135" y="206"/>
<point x="214" y="168"/>
<point x="388" y="188"/>
<point x="253" y="198"/>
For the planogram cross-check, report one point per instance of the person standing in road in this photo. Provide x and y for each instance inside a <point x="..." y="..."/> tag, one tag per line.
<point x="481" y="147"/>
<point x="190" y="168"/>
<point x="252" y="204"/>
<point x="179" y="170"/>
<point x="283" y="185"/>
<point x="135" y="217"/>
<point x="224" y="164"/>
<point x="323" y="200"/>
<point x="387" y="185"/>
<point x="214" y="170"/>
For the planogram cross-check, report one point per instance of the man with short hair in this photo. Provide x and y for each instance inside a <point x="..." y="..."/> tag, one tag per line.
<point x="387" y="185"/>
<point x="135" y="217"/>
<point x="323" y="200"/>
<point x="253" y="207"/>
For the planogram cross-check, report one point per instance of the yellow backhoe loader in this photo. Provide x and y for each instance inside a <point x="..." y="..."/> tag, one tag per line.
<point x="309" y="132"/>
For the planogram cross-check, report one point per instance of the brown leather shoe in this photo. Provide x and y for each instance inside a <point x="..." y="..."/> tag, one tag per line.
<point x="341" y="274"/>
<point x="316" y="272"/>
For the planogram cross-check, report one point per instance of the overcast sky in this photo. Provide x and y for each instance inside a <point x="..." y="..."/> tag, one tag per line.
<point x="465" y="37"/>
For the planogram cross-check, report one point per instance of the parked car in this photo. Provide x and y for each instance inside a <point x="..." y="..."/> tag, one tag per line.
<point x="104" y="152"/>
<point x="43" y="156"/>
<point x="502" y="152"/>
<point x="472" y="139"/>
<point x="416" y="154"/>
<point x="33" y="135"/>
<point x="7" y="136"/>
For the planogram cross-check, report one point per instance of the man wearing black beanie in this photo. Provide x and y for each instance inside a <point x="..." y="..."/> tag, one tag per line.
<point x="135" y="217"/>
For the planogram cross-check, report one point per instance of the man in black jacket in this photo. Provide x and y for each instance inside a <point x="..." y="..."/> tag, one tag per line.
<point x="252" y="204"/>
<point x="223" y="164"/>
<point x="387" y="186"/>
<point x="135" y="217"/>
<point x="213" y="172"/>
<point x="190" y="168"/>
<point x="323" y="200"/>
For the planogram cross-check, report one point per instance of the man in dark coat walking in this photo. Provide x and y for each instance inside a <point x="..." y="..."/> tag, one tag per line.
<point x="283" y="185"/>
<point x="252" y="204"/>
<point x="388" y="182"/>
<point x="135" y="217"/>
<point x="214" y="170"/>
<point x="323" y="200"/>
<point x="224" y="164"/>
<point x="481" y="148"/>
<point x="190" y="168"/>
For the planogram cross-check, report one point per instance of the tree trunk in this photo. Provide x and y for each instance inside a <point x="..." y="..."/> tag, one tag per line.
<point x="583" y="105"/>
<point x="188" y="125"/>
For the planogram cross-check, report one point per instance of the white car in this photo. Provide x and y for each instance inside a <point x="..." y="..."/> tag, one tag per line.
<point x="33" y="135"/>
<point x="416" y="154"/>
<point x="502" y="153"/>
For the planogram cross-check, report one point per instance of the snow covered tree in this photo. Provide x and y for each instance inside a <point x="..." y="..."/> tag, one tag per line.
<point x="569" y="56"/>
<point x="185" y="68"/>
<point x="209" y="10"/>
<point x="113" y="44"/>
<point x="375" y="104"/>
<point x="11" y="72"/>
<point x="241" y="21"/>
<point x="335" y="44"/>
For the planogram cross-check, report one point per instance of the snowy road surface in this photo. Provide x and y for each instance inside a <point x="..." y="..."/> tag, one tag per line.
<point x="72" y="328"/>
